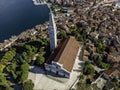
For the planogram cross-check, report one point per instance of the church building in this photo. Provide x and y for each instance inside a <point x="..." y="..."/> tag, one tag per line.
<point x="64" y="55"/>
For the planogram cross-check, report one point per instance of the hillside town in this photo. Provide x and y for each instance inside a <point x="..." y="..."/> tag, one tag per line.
<point x="85" y="32"/>
<point x="97" y="24"/>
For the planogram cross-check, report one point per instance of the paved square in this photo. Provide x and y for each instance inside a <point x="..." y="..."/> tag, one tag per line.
<point x="48" y="81"/>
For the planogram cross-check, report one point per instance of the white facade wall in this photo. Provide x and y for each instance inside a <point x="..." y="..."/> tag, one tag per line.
<point x="47" y="67"/>
<point x="60" y="73"/>
<point x="67" y="75"/>
<point x="54" y="68"/>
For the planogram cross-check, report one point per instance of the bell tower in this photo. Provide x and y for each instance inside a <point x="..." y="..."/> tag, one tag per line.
<point x="52" y="32"/>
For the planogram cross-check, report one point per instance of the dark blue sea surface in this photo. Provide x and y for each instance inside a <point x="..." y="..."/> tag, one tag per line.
<point x="18" y="15"/>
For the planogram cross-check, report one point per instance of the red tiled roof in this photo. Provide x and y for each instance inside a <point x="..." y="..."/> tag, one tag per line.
<point x="114" y="71"/>
<point x="66" y="53"/>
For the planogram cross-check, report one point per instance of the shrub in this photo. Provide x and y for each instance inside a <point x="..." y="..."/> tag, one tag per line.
<point x="24" y="67"/>
<point x="88" y="69"/>
<point x="28" y="85"/>
<point x="1" y="67"/>
<point x="8" y="56"/>
<point x="3" y="82"/>
<point x="40" y="60"/>
<point x="61" y="35"/>
<point x="13" y="74"/>
<point x="74" y="33"/>
<point x="24" y="76"/>
<point x="2" y="87"/>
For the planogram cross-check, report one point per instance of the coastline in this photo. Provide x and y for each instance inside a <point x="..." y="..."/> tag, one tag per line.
<point x="16" y="17"/>
<point x="29" y="33"/>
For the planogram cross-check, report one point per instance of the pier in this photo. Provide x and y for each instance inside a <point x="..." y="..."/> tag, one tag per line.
<point x="39" y="2"/>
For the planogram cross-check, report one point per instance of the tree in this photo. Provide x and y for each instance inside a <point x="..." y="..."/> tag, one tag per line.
<point x="8" y="56"/>
<point x="4" y="85"/>
<point x="13" y="66"/>
<point x="74" y="33"/>
<point x="40" y="60"/>
<point x="53" y="8"/>
<point x="2" y="79"/>
<point x="80" y="38"/>
<point x="28" y="48"/>
<point x="97" y="42"/>
<point x="88" y="68"/>
<point x="24" y="71"/>
<point x="100" y="58"/>
<point x="28" y="56"/>
<point x="36" y="43"/>
<point x="45" y="40"/>
<point x="28" y="85"/>
<point x="61" y="35"/>
<point x="104" y="65"/>
<point x="13" y="74"/>
<point x="83" y="86"/>
<point x="91" y="56"/>
<point x="1" y="67"/>
<point x="24" y="76"/>
<point x="105" y="88"/>
<point x="24" y="67"/>
<point x="101" y="62"/>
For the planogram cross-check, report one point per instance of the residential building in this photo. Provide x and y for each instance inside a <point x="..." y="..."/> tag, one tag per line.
<point x="111" y="73"/>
